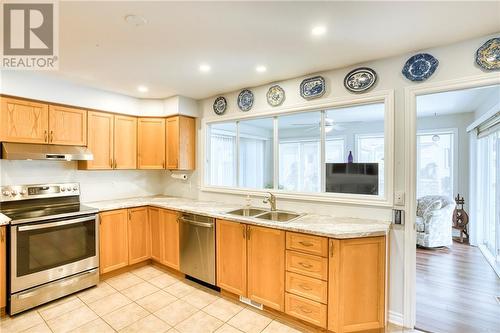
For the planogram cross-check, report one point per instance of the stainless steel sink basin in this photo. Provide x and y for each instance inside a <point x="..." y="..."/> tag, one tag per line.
<point x="278" y="216"/>
<point x="247" y="211"/>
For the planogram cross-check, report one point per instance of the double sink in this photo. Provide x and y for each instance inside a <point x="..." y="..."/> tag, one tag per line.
<point x="264" y="214"/>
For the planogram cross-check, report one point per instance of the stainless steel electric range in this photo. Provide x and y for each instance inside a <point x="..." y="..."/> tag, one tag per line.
<point x="53" y="243"/>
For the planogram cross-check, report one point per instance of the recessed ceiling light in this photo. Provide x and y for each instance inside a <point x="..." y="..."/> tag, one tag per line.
<point x="135" y="20"/>
<point x="318" y="30"/>
<point x="205" y="68"/>
<point x="142" y="89"/>
<point x="261" y="69"/>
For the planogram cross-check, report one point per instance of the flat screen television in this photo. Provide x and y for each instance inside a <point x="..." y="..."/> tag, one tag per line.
<point x="355" y="178"/>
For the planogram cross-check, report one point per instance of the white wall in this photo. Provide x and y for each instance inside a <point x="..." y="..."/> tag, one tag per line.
<point x="456" y="61"/>
<point x="95" y="185"/>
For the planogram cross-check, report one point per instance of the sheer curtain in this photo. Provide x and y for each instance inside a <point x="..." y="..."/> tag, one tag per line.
<point x="222" y="160"/>
<point x="252" y="163"/>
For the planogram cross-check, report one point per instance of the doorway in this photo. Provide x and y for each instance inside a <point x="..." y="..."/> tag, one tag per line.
<point x="456" y="172"/>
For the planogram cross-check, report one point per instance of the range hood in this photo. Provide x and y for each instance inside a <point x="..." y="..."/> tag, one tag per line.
<point x="27" y="151"/>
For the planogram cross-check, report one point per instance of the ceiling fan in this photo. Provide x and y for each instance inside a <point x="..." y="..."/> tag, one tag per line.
<point x="330" y="125"/>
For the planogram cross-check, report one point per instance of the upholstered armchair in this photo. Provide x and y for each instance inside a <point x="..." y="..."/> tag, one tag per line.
<point x="434" y="221"/>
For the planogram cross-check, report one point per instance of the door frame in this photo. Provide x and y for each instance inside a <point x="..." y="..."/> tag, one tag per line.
<point x="411" y="94"/>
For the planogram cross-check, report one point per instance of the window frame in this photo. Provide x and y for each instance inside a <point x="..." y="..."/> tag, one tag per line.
<point x="386" y="97"/>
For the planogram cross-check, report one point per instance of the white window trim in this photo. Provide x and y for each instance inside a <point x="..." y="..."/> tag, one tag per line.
<point x="386" y="97"/>
<point x="455" y="138"/>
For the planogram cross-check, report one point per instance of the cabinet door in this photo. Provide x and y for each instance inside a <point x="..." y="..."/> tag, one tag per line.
<point x="3" y="267"/>
<point x="266" y="266"/>
<point x="156" y="228"/>
<point x="151" y="143"/>
<point x="231" y="257"/>
<point x="67" y="126"/>
<point x="100" y="141"/>
<point x="113" y="242"/>
<point x="181" y="143"/>
<point x="138" y="235"/>
<point x="170" y="227"/>
<point x="125" y="142"/>
<point x="356" y="290"/>
<point x="23" y="121"/>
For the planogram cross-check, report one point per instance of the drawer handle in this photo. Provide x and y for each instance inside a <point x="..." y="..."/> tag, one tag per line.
<point x="305" y="287"/>
<point x="305" y="265"/>
<point x="308" y="244"/>
<point x="305" y="310"/>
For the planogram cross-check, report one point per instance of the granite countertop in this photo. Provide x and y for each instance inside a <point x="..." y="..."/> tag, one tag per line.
<point x="322" y="225"/>
<point x="4" y="220"/>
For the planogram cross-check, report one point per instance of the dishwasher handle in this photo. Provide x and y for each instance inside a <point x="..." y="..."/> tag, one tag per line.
<point x="196" y="223"/>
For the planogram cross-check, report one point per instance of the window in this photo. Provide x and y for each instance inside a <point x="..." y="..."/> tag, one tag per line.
<point x="370" y="149"/>
<point x="304" y="152"/>
<point x="256" y="153"/>
<point x="299" y="152"/>
<point x="222" y="160"/>
<point x="435" y="165"/>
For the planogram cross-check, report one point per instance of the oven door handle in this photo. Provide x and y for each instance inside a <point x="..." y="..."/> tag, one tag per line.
<point x="55" y="224"/>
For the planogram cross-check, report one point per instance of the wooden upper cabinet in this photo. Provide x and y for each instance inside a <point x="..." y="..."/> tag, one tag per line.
<point x="181" y="143"/>
<point x="113" y="240"/>
<point x="138" y="235"/>
<point x="266" y="266"/>
<point x="23" y="121"/>
<point x="231" y="256"/>
<point x="156" y="228"/>
<point x="67" y="126"/>
<point x="100" y="141"/>
<point x="151" y="143"/>
<point x="356" y="284"/>
<point x="125" y="142"/>
<point x="3" y="267"/>
<point x="170" y="238"/>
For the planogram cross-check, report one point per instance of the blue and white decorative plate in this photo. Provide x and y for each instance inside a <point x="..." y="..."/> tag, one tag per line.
<point x="360" y="79"/>
<point x="420" y="67"/>
<point x="488" y="55"/>
<point x="245" y="100"/>
<point x="220" y="105"/>
<point x="275" y="95"/>
<point x="313" y="87"/>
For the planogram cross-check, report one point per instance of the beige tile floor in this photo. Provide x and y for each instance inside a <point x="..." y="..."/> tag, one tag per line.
<point x="145" y="300"/>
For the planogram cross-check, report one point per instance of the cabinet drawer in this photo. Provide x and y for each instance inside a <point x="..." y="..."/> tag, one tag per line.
<point x="307" y="310"/>
<point x="313" y="289"/>
<point x="307" y="243"/>
<point x="306" y="264"/>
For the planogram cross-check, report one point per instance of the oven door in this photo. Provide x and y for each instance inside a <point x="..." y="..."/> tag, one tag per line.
<point x="51" y="250"/>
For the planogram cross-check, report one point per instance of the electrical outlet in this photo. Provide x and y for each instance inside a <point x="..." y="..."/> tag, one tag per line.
<point x="399" y="198"/>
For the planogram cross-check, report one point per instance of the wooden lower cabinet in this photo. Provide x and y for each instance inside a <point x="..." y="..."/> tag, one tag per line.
<point x="231" y="250"/>
<point x="305" y="309"/>
<point x="156" y="234"/>
<point x="356" y="291"/>
<point x="266" y="266"/>
<point x="169" y="227"/>
<point x="113" y="240"/>
<point x="138" y="235"/>
<point x="3" y="267"/>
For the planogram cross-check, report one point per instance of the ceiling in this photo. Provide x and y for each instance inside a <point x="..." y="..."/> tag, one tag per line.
<point x="457" y="101"/>
<point x="100" y="49"/>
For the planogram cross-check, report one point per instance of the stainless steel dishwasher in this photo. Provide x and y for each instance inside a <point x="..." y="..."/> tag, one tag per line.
<point x="197" y="247"/>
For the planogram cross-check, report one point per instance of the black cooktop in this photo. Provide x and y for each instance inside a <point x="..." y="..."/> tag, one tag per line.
<point x="28" y="213"/>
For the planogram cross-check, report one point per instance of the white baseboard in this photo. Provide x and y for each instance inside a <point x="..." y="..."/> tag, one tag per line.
<point x="396" y="318"/>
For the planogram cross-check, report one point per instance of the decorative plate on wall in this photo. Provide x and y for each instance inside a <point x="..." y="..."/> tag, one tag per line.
<point x="313" y="87"/>
<point x="220" y="105"/>
<point x="488" y="55"/>
<point x="245" y="100"/>
<point x="420" y="67"/>
<point x="360" y="79"/>
<point x="275" y="95"/>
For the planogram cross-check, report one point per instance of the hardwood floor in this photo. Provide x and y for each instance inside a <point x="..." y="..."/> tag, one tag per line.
<point x="456" y="291"/>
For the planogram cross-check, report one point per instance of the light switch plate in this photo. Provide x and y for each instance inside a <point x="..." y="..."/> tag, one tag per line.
<point x="399" y="198"/>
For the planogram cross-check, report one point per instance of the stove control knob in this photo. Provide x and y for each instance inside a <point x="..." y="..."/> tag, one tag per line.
<point x="23" y="192"/>
<point x="6" y="193"/>
<point x="14" y="193"/>
<point x="63" y="189"/>
<point x="75" y="188"/>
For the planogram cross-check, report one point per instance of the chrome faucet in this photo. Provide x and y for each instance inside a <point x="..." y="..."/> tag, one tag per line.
<point x="271" y="199"/>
